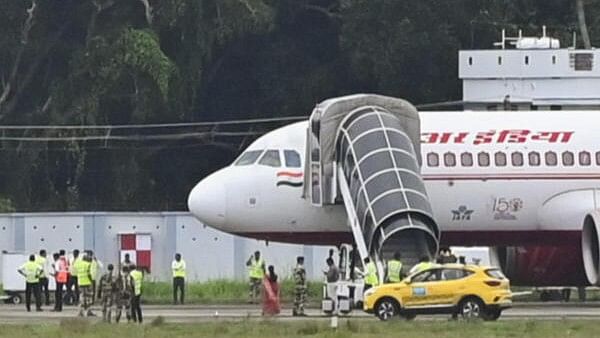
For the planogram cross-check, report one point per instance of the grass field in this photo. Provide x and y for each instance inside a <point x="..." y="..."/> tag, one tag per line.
<point x="438" y="329"/>
<point x="218" y="292"/>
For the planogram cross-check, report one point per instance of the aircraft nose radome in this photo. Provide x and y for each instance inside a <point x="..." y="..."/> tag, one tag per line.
<point x="207" y="201"/>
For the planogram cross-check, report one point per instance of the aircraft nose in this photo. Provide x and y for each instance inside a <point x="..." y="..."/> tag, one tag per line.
<point x="207" y="201"/>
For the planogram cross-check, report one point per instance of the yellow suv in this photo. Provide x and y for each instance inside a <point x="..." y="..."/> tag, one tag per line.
<point x="471" y="291"/>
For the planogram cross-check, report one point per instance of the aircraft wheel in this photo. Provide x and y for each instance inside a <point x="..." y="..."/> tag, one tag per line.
<point x="566" y="294"/>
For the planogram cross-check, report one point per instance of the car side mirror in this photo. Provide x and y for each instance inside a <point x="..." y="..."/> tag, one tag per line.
<point x="407" y="280"/>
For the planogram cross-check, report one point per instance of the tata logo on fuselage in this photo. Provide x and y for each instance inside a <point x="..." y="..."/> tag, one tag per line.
<point x="462" y="213"/>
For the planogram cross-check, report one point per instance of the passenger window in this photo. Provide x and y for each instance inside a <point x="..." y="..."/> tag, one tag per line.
<point x="551" y="159"/>
<point x="428" y="276"/>
<point x="433" y="160"/>
<point x="483" y="159"/>
<point x="584" y="158"/>
<point x="534" y="159"/>
<point x="248" y="157"/>
<point x="292" y="159"/>
<point x="452" y="274"/>
<point x="500" y="159"/>
<point x="466" y="159"/>
<point x="449" y="160"/>
<point x="568" y="158"/>
<point x="271" y="159"/>
<point x="517" y="159"/>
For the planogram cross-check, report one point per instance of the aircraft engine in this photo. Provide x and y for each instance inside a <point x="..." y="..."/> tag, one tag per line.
<point x="590" y="247"/>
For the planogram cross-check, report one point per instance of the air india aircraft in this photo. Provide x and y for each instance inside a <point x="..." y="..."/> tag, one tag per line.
<point x="526" y="183"/>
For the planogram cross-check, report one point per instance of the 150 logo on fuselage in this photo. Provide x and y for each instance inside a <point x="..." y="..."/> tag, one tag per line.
<point x="506" y="208"/>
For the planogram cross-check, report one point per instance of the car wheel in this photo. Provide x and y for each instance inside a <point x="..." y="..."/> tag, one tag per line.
<point x="386" y="309"/>
<point x="492" y="314"/>
<point x="16" y="299"/>
<point x="471" y="308"/>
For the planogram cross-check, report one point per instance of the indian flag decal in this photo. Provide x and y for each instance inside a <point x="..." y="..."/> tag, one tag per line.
<point x="289" y="178"/>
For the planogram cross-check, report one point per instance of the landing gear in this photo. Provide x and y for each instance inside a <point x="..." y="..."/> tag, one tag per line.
<point x="566" y="294"/>
<point x="556" y="295"/>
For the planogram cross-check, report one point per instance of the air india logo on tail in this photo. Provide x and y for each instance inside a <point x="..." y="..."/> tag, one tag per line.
<point x="289" y="178"/>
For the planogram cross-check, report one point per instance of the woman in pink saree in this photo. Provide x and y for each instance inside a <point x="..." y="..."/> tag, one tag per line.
<point x="270" y="294"/>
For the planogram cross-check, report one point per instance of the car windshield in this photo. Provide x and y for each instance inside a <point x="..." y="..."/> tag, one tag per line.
<point x="248" y="157"/>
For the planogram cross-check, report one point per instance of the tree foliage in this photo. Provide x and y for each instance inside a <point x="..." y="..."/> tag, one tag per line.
<point x="147" y="61"/>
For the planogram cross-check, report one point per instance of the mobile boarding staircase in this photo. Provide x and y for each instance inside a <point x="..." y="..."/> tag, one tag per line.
<point x="364" y="151"/>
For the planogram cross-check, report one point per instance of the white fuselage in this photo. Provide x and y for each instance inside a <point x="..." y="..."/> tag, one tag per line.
<point x="508" y="198"/>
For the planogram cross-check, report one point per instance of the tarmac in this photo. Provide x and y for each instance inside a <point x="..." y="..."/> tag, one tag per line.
<point x="16" y="314"/>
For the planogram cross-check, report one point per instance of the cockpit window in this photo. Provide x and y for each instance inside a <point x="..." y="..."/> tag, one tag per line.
<point x="271" y="159"/>
<point x="248" y="157"/>
<point x="292" y="159"/>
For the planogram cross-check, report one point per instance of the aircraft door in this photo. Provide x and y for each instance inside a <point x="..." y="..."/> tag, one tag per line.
<point x="313" y="160"/>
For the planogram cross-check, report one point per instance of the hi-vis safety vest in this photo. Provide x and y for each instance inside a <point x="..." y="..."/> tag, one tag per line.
<point x="32" y="271"/>
<point x="73" y="266"/>
<point x="256" y="268"/>
<point x="41" y="261"/>
<point x="393" y="270"/>
<point x="83" y="272"/>
<point x="178" y="268"/>
<point x="421" y="266"/>
<point x="371" y="274"/>
<point x="137" y="281"/>
<point x="62" y="270"/>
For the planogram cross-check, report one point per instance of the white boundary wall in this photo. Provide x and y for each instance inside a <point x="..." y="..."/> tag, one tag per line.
<point x="209" y="253"/>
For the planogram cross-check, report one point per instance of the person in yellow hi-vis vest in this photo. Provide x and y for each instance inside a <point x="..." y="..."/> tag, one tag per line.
<point x="32" y="272"/>
<point x="96" y="266"/>
<point x="423" y="264"/>
<point x="84" y="280"/>
<point x="42" y="260"/>
<point x="136" y="310"/>
<point x="178" y="268"/>
<point x="394" y="269"/>
<point x="256" y="273"/>
<point x="370" y="274"/>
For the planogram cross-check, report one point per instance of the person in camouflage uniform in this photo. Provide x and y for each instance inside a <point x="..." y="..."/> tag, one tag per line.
<point x="300" y="287"/>
<point x="107" y="292"/>
<point x="124" y="291"/>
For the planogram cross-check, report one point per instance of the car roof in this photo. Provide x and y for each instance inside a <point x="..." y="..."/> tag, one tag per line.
<point x="464" y="266"/>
